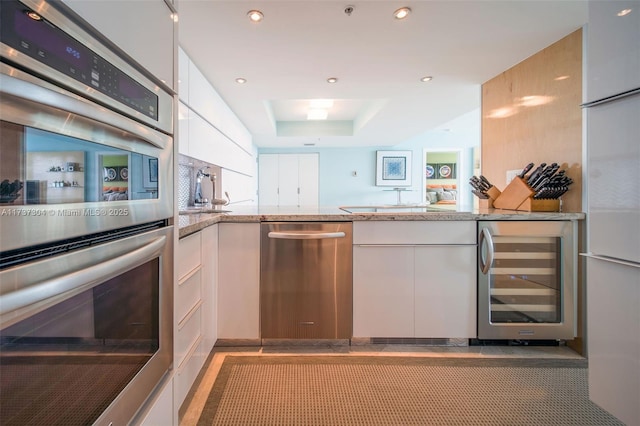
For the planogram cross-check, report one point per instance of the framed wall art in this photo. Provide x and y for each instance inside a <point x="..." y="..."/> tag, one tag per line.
<point x="393" y="168"/>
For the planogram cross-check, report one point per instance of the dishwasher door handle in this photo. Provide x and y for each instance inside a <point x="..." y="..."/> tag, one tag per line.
<point x="305" y="235"/>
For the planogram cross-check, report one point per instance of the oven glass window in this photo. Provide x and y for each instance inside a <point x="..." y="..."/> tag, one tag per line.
<point x="41" y="167"/>
<point x="66" y="364"/>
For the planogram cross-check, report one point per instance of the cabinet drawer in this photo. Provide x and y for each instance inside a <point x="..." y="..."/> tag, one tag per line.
<point x="188" y="254"/>
<point x="415" y="232"/>
<point x="189" y="332"/>
<point x="188" y="294"/>
<point x="187" y="374"/>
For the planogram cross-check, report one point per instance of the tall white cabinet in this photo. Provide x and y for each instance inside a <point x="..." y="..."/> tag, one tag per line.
<point x="613" y="213"/>
<point x="150" y="41"/>
<point x="288" y="179"/>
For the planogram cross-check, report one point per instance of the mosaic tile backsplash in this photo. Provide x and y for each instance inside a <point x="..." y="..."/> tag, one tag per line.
<point x="187" y="169"/>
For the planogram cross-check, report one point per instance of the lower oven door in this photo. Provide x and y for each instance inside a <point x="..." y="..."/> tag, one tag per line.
<point x="86" y="336"/>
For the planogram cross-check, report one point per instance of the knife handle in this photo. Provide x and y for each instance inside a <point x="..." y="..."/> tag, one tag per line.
<point x="526" y="170"/>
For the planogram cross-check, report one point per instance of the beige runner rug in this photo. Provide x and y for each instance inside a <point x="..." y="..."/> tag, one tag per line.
<point x="370" y="390"/>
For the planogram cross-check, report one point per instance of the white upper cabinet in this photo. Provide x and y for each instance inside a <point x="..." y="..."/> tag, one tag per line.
<point x="613" y="48"/>
<point x="210" y="131"/>
<point x="183" y="76"/>
<point x="144" y="29"/>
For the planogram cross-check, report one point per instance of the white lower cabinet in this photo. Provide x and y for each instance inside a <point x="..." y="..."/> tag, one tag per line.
<point x="239" y="281"/>
<point x="414" y="279"/>
<point x="445" y="291"/>
<point x="161" y="411"/>
<point x="195" y="330"/>
<point x="383" y="291"/>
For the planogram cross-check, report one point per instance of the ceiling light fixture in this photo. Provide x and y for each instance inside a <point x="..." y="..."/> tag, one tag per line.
<point x="255" y="15"/>
<point x="321" y="103"/>
<point x="317" y="114"/>
<point x="241" y="80"/>
<point x="402" y="13"/>
<point x="624" y="12"/>
<point x="332" y="80"/>
<point x="426" y="78"/>
<point x="33" y="15"/>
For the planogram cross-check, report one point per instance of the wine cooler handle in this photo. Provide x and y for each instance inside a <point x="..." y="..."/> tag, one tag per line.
<point x="485" y="235"/>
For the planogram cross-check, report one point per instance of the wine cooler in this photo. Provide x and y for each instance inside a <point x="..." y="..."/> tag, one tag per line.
<point x="527" y="280"/>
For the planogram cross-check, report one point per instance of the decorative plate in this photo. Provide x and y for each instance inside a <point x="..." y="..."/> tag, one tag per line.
<point x="445" y="171"/>
<point x="109" y="173"/>
<point x="430" y="171"/>
<point x="124" y="173"/>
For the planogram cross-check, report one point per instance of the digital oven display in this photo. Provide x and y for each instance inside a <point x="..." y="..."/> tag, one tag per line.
<point x="30" y="34"/>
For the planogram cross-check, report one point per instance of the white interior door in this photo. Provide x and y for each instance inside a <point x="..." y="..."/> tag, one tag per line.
<point x="288" y="180"/>
<point x="268" y="179"/>
<point x="308" y="177"/>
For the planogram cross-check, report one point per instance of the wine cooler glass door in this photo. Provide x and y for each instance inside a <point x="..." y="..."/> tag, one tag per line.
<point x="527" y="281"/>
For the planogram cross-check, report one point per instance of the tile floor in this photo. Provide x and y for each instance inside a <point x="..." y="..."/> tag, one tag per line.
<point x="192" y="407"/>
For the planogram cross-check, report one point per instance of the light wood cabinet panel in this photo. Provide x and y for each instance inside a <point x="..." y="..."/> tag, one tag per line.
<point x="532" y="113"/>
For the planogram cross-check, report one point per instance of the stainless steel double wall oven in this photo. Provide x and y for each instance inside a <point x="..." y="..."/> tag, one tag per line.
<point x="86" y="235"/>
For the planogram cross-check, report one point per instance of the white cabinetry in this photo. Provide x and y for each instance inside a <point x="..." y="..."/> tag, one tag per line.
<point x="209" y="131"/>
<point x="143" y="29"/>
<point x="414" y="279"/>
<point x="161" y="412"/>
<point x="288" y="180"/>
<point x="613" y="55"/>
<point x="195" y="330"/>
<point x="239" y="281"/>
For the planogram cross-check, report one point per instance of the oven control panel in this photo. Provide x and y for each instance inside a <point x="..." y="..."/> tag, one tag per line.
<point x="28" y="32"/>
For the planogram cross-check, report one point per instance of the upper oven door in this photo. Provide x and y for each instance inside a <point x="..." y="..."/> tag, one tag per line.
<point x="70" y="167"/>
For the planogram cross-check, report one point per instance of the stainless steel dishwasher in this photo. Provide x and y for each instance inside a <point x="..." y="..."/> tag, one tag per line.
<point x="306" y="280"/>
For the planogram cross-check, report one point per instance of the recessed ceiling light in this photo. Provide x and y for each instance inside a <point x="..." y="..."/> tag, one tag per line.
<point x="332" y="80"/>
<point x="33" y="15"/>
<point x="426" y="78"/>
<point x="255" y="15"/>
<point x="241" y="80"/>
<point x="402" y="13"/>
<point x="624" y="12"/>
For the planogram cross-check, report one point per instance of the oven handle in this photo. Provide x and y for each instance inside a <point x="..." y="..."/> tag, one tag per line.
<point x="305" y="235"/>
<point x="84" y="278"/>
<point x="485" y="235"/>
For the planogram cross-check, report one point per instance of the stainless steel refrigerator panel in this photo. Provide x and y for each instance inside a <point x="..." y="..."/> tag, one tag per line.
<point x="306" y="280"/>
<point x="614" y="178"/>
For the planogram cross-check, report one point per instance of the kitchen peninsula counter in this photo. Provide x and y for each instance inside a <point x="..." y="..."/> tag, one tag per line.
<point x="194" y="222"/>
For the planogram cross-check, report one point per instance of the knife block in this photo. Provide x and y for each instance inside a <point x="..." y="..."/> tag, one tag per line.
<point x="534" y="205"/>
<point x="516" y="193"/>
<point x="493" y="193"/>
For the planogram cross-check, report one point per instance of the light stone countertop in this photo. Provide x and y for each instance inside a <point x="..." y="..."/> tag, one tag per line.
<point x="194" y="222"/>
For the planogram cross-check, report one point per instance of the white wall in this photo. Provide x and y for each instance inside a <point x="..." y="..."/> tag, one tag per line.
<point x="338" y="187"/>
